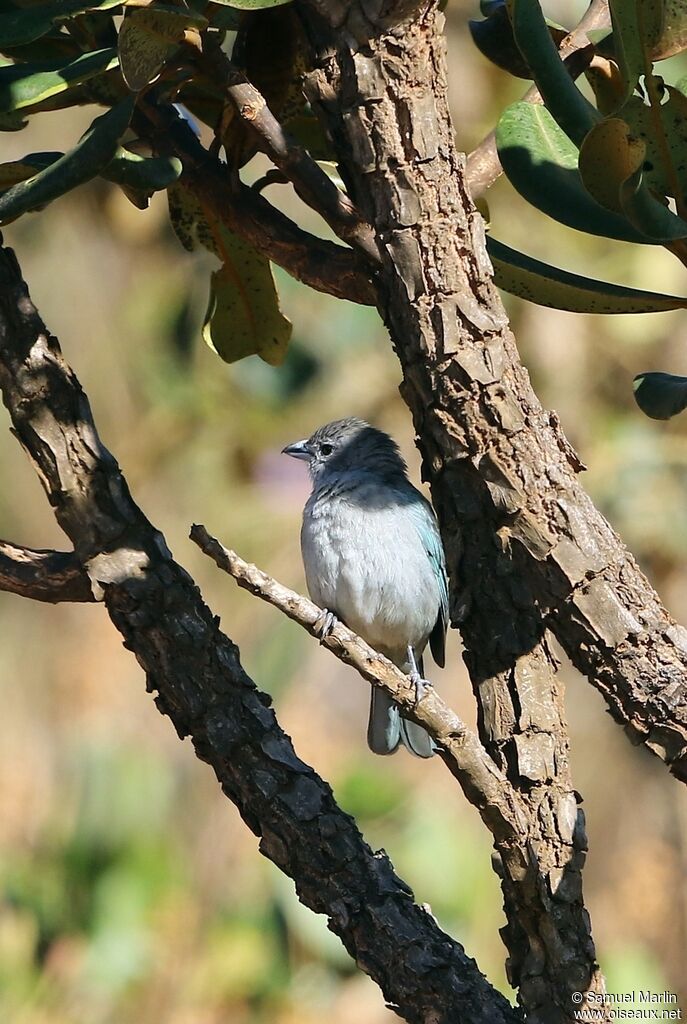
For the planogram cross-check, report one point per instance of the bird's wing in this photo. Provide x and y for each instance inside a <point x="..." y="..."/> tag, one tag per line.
<point x="428" y="530"/>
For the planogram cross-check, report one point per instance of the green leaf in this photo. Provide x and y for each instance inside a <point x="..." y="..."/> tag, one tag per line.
<point x="252" y="5"/>
<point x="13" y="122"/>
<point x="19" y="170"/>
<point x="225" y="18"/>
<point x="660" y="395"/>
<point x="636" y="30"/>
<point x="148" y="37"/>
<point x="539" y="282"/>
<point x="148" y="173"/>
<point x="24" y="24"/>
<point x="307" y="129"/>
<point x="648" y="215"/>
<point x="493" y="37"/>
<point x="541" y="164"/>
<point x="26" y="85"/>
<point x="93" y="152"/>
<point x="568" y="106"/>
<point x="243" y="316"/>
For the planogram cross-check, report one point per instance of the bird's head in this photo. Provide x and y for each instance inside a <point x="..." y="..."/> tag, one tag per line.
<point x="349" y="445"/>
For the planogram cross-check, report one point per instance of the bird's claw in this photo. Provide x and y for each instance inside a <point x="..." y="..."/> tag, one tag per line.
<point x="325" y="624"/>
<point x="416" y="679"/>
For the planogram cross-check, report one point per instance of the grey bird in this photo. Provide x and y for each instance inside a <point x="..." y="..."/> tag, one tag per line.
<point x="373" y="558"/>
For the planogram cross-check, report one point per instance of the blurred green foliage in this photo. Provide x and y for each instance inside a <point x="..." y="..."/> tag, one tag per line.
<point x="130" y="890"/>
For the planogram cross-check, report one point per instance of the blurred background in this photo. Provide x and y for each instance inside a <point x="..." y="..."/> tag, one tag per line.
<point x="130" y="890"/>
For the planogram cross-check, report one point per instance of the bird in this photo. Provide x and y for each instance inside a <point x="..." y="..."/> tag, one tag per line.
<point x="373" y="559"/>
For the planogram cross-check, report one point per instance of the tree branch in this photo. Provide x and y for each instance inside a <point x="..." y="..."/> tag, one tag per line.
<point x="204" y="689"/>
<point x="503" y="475"/>
<point x="323" y="265"/>
<point x="311" y="183"/>
<point x="383" y="96"/>
<point x="51" y="576"/>
<point x="482" y="782"/>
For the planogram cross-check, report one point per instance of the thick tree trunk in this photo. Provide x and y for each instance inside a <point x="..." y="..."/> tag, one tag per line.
<point x="382" y="91"/>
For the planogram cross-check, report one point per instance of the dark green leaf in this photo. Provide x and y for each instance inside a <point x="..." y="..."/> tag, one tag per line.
<point x="228" y="19"/>
<point x="541" y="163"/>
<point x="648" y="215"/>
<point x="25" y="85"/>
<point x="93" y="152"/>
<point x="19" y="170"/>
<point x="148" y="173"/>
<point x="493" y="37"/>
<point x="307" y="129"/>
<point x="660" y="395"/>
<point x="568" y="106"/>
<point x="23" y="25"/>
<point x="539" y="282"/>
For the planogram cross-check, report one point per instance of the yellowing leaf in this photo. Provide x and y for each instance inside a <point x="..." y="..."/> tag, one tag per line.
<point x="522" y="275"/>
<point x="148" y="37"/>
<point x="610" y="155"/>
<point x="663" y="129"/>
<point x="243" y="316"/>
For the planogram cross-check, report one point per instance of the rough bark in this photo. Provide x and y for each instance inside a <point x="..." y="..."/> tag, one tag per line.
<point x="382" y="91"/>
<point x="51" y="576"/>
<point x="202" y="686"/>
<point x="317" y="262"/>
<point x="503" y="475"/>
<point x="483" y="783"/>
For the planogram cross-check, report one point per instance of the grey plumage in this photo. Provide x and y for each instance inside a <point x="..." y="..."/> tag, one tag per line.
<point x="373" y="556"/>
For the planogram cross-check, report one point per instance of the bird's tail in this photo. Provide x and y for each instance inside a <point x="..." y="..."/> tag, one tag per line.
<point x="387" y="728"/>
<point x="384" y="725"/>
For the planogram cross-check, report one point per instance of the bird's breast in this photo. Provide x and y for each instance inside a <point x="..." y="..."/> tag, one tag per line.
<point x="365" y="562"/>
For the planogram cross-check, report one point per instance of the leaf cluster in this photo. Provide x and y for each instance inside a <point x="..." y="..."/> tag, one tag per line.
<point x="130" y="57"/>
<point x="613" y="165"/>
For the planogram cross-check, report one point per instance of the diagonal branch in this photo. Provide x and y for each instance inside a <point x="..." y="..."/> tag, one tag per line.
<point x="483" y="783"/>
<point x="311" y="183"/>
<point x="51" y="576"/>
<point x="504" y="477"/>
<point x="204" y="689"/>
<point x="321" y="264"/>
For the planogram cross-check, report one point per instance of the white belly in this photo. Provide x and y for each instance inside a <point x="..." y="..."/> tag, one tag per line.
<point x="368" y="565"/>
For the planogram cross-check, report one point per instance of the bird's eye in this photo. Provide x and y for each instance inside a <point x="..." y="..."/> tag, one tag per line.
<point x="326" y="449"/>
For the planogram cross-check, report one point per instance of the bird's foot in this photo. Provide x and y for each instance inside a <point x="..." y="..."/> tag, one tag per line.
<point x="325" y="624"/>
<point x="416" y="679"/>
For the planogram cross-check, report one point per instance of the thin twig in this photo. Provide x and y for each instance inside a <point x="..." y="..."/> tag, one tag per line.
<point x="481" y="780"/>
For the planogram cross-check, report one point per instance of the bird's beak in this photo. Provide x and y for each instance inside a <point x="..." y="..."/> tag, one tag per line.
<point x="298" y="450"/>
